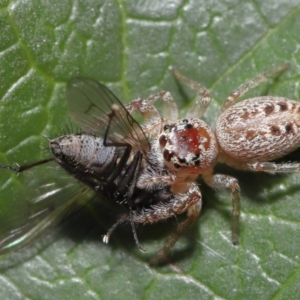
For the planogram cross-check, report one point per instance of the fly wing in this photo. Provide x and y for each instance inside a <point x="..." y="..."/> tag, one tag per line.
<point x="48" y="204"/>
<point x="93" y="106"/>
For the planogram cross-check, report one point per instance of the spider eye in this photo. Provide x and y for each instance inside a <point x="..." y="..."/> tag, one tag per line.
<point x="166" y="127"/>
<point x="162" y="141"/>
<point x="188" y="125"/>
<point x="167" y="155"/>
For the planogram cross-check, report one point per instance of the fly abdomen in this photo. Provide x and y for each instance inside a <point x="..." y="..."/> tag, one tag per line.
<point x="83" y="150"/>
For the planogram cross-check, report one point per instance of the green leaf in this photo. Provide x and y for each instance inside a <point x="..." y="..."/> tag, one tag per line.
<point x="129" y="46"/>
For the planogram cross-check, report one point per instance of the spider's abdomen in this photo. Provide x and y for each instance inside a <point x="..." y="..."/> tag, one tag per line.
<point x="259" y="129"/>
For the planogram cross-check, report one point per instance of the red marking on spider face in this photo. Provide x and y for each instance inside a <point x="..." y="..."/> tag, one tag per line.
<point x="188" y="146"/>
<point x="189" y="141"/>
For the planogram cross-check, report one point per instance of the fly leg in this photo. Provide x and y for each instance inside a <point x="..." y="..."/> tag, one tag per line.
<point x="129" y="178"/>
<point x="19" y="169"/>
<point x="127" y="185"/>
<point x="108" y="143"/>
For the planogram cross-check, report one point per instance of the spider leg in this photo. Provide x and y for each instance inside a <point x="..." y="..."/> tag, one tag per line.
<point x="170" y="109"/>
<point x="195" y="203"/>
<point x="153" y="121"/>
<point x="148" y="110"/>
<point x="189" y="202"/>
<point x="220" y="181"/>
<point x="270" y="167"/>
<point x="144" y="107"/>
<point x="151" y="181"/>
<point x="204" y="95"/>
<point x="245" y="87"/>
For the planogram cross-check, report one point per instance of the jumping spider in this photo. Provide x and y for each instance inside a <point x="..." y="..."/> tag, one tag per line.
<point x="247" y="135"/>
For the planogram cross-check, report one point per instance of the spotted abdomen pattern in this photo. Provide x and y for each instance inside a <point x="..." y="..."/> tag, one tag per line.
<point x="259" y="129"/>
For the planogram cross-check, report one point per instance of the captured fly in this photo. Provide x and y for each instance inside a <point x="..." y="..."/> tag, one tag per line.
<point x="108" y="157"/>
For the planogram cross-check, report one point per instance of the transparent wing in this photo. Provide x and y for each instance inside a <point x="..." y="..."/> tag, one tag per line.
<point x="52" y="195"/>
<point x="90" y="104"/>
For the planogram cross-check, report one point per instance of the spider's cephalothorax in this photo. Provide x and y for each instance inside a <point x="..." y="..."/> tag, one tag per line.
<point x="188" y="146"/>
